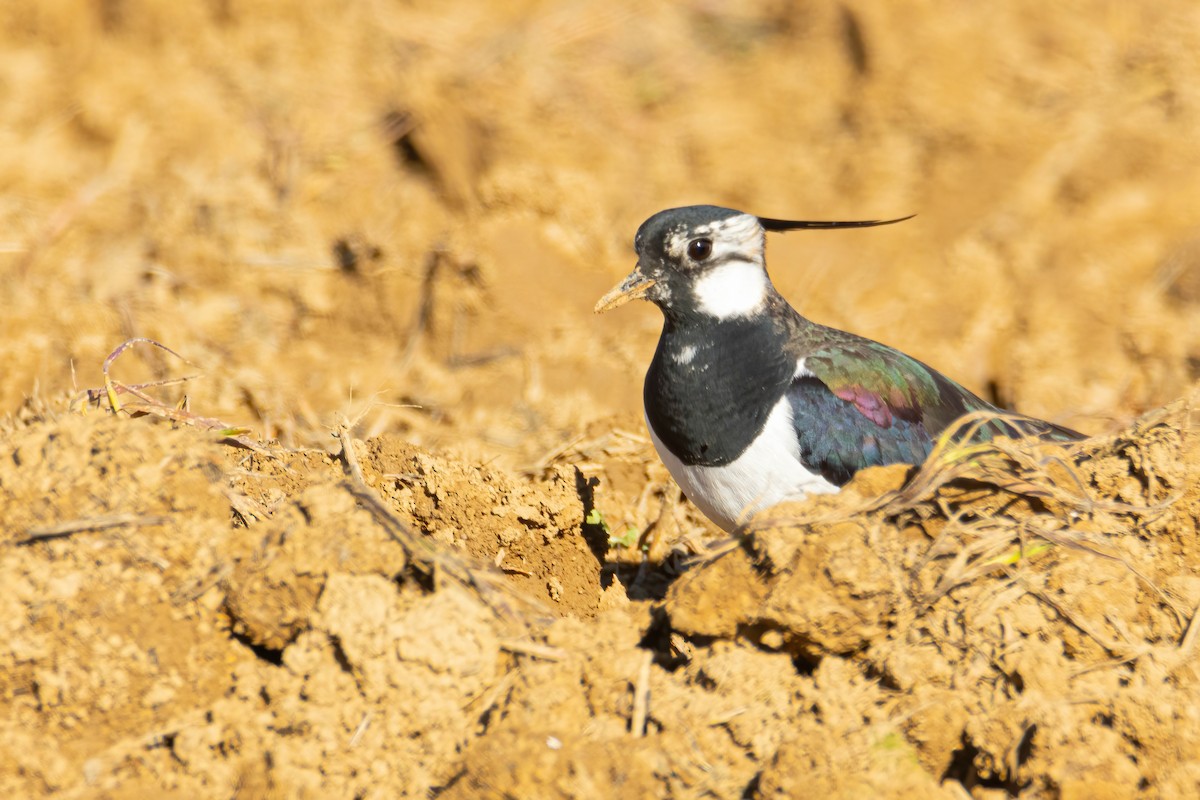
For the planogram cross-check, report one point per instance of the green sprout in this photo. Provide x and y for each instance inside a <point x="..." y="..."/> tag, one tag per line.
<point x="1014" y="554"/>
<point x="628" y="539"/>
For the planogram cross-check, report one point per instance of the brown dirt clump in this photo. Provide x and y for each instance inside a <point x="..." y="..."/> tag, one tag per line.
<point x="1013" y="618"/>
<point x="1013" y="607"/>
<point x="487" y="584"/>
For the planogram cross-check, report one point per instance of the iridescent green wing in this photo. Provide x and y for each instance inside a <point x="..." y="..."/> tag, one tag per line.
<point x="857" y="403"/>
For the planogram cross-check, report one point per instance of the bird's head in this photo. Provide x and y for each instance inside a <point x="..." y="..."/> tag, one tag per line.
<point x="706" y="261"/>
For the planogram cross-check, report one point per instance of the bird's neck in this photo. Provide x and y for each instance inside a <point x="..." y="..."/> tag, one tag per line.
<point x="713" y="383"/>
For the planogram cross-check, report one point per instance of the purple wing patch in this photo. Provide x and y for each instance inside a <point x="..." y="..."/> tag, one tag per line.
<point x="869" y="404"/>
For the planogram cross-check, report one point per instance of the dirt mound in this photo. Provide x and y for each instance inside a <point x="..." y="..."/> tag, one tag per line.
<point x="1016" y="613"/>
<point x="200" y="618"/>
<point x="197" y="618"/>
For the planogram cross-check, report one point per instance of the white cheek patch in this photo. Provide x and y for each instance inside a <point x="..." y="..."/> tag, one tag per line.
<point x="732" y="289"/>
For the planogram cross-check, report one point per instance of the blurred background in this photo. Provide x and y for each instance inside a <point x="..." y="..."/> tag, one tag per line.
<point x="406" y="211"/>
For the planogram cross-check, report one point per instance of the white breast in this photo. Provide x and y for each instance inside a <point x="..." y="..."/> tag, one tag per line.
<point x="769" y="472"/>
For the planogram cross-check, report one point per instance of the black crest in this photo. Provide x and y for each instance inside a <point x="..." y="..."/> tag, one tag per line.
<point x="808" y="225"/>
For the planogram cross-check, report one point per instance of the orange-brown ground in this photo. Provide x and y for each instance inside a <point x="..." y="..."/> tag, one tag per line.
<point x="402" y="217"/>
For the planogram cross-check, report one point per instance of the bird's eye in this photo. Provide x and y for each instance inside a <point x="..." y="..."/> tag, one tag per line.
<point x="700" y="249"/>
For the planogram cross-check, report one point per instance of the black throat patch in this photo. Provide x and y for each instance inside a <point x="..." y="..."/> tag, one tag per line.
<point x="711" y="386"/>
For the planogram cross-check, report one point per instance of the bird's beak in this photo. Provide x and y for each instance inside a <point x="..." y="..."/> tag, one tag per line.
<point x="633" y="287"/>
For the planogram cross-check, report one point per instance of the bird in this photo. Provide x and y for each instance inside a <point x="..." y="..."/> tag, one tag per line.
<point x="747" y="402"/>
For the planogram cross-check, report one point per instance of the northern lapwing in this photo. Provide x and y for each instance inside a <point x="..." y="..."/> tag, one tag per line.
<point x="747" y="402"/>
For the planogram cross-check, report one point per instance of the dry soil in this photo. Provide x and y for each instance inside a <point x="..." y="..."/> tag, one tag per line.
<point x="400" y="532"/>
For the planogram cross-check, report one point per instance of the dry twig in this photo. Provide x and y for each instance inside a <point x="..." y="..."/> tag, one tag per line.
<point x="543" y="651"/>
<point x="484" y="578"/>
<point x="99" y="523"/>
